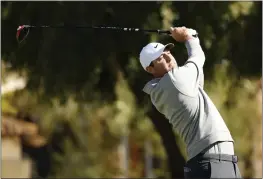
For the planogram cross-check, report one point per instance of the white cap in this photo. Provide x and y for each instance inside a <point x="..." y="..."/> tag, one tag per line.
<point x="151" y="52"/>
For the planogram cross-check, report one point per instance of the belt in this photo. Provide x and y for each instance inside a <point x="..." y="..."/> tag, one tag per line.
<point x="214" y="152"/>
<point x="220" y="157"/>
<point x="217" y="157"/>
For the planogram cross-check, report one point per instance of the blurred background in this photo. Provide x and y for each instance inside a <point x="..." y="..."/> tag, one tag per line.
<point x="72" y="100"/>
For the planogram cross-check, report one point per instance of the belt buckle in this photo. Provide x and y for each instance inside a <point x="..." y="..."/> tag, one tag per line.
<point x="235" y="158"/>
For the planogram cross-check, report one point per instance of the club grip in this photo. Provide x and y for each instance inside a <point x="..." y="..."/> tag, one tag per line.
<point x="164" y="32"/>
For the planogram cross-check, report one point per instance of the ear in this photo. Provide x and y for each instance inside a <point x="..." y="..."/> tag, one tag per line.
<point x="150" y="69"/>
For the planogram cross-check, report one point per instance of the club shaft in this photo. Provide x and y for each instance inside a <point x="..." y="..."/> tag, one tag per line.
<point x="102" y="27"/>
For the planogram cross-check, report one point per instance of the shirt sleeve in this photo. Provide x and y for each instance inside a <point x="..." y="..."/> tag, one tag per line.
<point x="201" y="79"/>
<point x="196" y="60"/>
<point x="195" y="52"/>
<point x="190" y="76"/>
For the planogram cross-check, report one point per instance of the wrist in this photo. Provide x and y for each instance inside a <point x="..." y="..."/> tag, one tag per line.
<point x="192" y="41"/>
<point x="190" y="34"/>
<point x="188" y="37"/>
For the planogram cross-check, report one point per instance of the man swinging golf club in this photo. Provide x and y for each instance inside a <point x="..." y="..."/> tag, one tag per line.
<point x="177" y="93"/>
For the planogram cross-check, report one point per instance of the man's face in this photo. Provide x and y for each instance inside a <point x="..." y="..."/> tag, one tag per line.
<point x="163" y="64"/>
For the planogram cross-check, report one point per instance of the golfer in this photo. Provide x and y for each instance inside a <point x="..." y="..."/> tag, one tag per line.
<point x="177" y="93"/>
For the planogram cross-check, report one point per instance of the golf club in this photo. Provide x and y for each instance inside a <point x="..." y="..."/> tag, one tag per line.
<point x="23" y="30"/>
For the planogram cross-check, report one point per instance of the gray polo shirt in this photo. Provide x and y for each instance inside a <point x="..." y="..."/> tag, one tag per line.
<point x="180" y="97"/>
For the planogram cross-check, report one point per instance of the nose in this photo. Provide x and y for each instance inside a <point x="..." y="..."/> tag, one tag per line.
<point x="166" y="57"/>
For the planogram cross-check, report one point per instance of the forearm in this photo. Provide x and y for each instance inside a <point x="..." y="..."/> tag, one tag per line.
<point x="195" y="52"/>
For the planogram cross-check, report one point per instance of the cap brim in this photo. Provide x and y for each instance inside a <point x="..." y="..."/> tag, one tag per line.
<point x="168" y="46"/>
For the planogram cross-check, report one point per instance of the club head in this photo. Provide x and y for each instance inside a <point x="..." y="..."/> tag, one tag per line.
<point x="22" y="33"/>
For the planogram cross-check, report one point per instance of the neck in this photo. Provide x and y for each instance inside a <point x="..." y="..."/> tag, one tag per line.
<point x="158" y="76"/>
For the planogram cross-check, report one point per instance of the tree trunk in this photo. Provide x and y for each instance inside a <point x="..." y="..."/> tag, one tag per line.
<point x="175" y="158"/>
